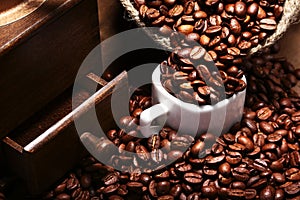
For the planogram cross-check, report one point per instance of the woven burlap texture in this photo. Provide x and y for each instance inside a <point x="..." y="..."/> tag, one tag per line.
<point x="290" y="16"/>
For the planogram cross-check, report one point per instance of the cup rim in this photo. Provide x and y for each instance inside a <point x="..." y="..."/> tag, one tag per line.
<point x="156" y="80"/>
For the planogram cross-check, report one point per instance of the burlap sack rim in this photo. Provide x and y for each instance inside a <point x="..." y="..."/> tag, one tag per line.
<point x="290" y="16"/>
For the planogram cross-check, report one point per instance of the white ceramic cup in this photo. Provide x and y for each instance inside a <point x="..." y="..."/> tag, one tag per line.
<point x="189" y="118"/>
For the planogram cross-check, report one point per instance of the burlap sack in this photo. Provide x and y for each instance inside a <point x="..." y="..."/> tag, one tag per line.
<point x="290" y="16"/>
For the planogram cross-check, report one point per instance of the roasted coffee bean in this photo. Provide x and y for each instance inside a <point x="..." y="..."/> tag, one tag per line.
<point x="264" y="113"/>
<point x="215" y="159"/>
<point x="197" y="52"/>
<point x="293" y="174"/>
<point x="295" y="159"/>
<point x="293" y="188"/>
<point x="193" y="178"/>
<point x="176" y="190"/>
<point x="204" y="40"/>
<point x="246" y="142"/>
<point x="209" y="171"/>
<point x="176" y="11"/>
<point x="152" y="13"/>
<point x="268" y="24"/>
<point x="240" y="9"/>
<point x="189" y="7"/>
<point x="233" y="157"/>
<point x="265" y="127"/>
<point x="269" y="147"/>
<point x="236" y="147"/>
<point x="268" y="193"/>
<point x="225" y="169"/>
<point x="235" y="26"/>
<point x="250" y="193"/>
<point x="163" y="188"/>
<point x="186" y="29"/>
<point x="213" y="29"/>
<point x="251" y="125"/>
<point x="257" y="158"/>
<point x="209" y="191"/>
<point x="278" y="177"/>
<point x="63" y="196"/>
<point x="279" y="194"/>
<point x="115" y="197"/>
<point x="240" y="174"/>
<point x="236" y="193"/>
<point x="86" y="180"/>
<point x="275" y="137"/>
<point x="166" y="197"/>
<point x="200" y="15"/>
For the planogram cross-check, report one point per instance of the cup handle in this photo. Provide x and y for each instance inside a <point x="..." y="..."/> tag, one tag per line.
<point x="148" y="116"/>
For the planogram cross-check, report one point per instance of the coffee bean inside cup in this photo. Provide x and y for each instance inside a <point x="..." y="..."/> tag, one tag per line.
<point x="190" y="75"/>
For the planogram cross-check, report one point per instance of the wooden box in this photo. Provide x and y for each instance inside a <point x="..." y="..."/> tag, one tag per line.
<point x="40" y="55"/>
<point x="47" y="146"/>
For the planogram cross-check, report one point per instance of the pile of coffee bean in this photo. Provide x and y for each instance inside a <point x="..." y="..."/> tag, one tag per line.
<point x="227" y="29"/>
<point x="259" y="158"/>
<point x="203" y="84"/>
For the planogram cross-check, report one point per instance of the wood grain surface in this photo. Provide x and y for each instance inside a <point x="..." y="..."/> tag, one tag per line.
<point x="40" y="56"/>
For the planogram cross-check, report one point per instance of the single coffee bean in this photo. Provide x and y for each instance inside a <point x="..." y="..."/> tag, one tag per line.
<point x="244" y="45"/>
<point x="236" y="193"/>
<point x="264" y="113"/>
<point x="111" y="189"/>
<point x="246" y="142"/>
<point x="275" y="137"/>
<point x="152" y="13"/>
<point x="279" y="194"/>
<point x="261" y="14"/>
<point x="197" y="52"/>
<point x="241" y="174"/>
<point x="163" y="187"/>
<point x="204" y="40"/>
<point x="268" y="24"/>
<point x="215" y="159"/>
<point x="238" y="185"/>
<point x="265" y="127"/>
<point x="193" y="178"/>
<point x="278" y="177"/>
<point x="229" y="8"/>
<point x="293" y="174"/>
<point x="240" y="9"/>
<point x="225" y="169"/>
<point x="295" y="158"/>
<point x="200" y="15"/>
<point x="176" y="11"/>
<point x="252" y="10"/>
<point x="86" y="180"/>
<point x="166" y="197"/>
<point x="235" y="26"/>
<point x="209" y="191"/>
<point x="63" y="196"/>
<point x="215" y="20"/>
<point x="293" y="188"/>
<point x="233" y="51"/>
<point x="169" y="2"/>
<point x="250" y="193"/>
<point x="176" y="190"/>
<point x="269" y="147"/>
<point x="189" y="7"/>
<point x="213" y="29"/>
<point x="186" y="29"/>
<point x="268" y="193"/>
<point x="192" y="37"/>
<point x="233" y="157"/>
